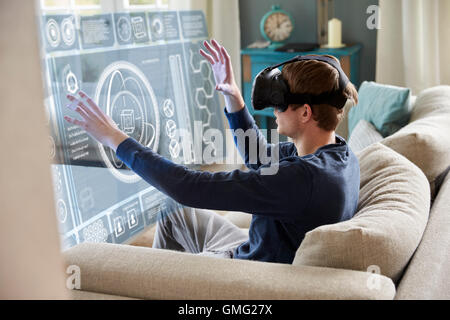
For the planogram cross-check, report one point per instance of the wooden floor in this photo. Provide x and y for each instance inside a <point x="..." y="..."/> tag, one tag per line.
<point x="145" y="239"/>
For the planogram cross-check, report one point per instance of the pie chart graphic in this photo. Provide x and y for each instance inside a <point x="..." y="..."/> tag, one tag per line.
<point x="125" y="94"/>
<point x="68" y="31"/>
<point x="124" y="29"/>
<point x="53" y="33"/>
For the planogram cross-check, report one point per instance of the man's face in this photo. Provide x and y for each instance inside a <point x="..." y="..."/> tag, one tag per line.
<point x="289" y="122"/>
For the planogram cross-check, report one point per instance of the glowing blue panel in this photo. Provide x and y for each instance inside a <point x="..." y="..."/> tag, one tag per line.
<point x="143" y="69"/>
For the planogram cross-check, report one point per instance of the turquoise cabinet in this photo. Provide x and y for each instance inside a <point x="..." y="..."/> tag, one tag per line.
<point x="255" y="60"/>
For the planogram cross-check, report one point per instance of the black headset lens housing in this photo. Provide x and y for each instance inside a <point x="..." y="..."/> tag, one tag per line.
<point x="271" y="90"/>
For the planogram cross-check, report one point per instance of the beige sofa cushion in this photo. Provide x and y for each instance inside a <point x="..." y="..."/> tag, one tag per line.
<point x="431" y="102"/>
<point x="392" y="214"/>
<point x="426" y="139"/>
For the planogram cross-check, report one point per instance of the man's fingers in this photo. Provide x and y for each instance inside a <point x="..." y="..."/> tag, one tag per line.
<point x="80" y="107"/>
<point x="87" y="98"/>
<point x="225" y="54"/>
<point x="211" y="50"/>
<point x="227" y="61"/>
<point x="92" y="104"/>
<point x="74" y="121"/>
<point x="82" y="113"/>
<point x="71" y="98"/>
<point x="72" y="106"/>
<point x="207" y="56"/>
<point x="87" y="110"/>
<point x="218" y="49"/>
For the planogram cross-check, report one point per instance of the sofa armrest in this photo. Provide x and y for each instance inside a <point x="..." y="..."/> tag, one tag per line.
<point x="428" y="274"/>
<point x="162" y="274"/>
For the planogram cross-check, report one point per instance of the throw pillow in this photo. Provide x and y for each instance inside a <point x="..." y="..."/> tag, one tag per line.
<point x="387" y="107"/>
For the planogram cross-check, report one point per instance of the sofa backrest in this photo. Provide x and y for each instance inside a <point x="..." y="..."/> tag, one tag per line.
<point x="428" y="273"/>
<point x="426" y="139"/>
<point x="388" y="226"/>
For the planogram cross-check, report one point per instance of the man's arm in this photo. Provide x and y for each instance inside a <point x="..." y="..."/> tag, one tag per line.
<point x="251" y="143"/>
<point x="249" y="140"/>
<point x="252" y="192"/>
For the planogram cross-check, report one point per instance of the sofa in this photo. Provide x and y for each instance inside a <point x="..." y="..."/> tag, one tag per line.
<point x="397" y="246"/>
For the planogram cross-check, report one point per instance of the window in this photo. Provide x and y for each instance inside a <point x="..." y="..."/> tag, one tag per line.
<point x="80" y="6"/>
<point x="87" y="7"/>
<point x="147" y="4"/>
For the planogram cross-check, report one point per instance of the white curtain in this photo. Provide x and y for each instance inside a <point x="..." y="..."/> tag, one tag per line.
<point x="413" y="46"/>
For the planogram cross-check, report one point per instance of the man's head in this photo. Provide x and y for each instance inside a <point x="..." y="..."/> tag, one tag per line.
<point x="313" y="77"/>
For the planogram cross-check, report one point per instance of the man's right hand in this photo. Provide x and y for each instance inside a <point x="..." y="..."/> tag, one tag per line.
<point x="220" y="62"/>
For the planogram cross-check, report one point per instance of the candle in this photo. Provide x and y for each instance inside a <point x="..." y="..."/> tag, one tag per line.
<point x="334" y="33"/>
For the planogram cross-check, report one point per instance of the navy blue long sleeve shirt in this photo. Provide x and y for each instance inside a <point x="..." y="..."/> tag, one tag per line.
<point x="306" y="192"/>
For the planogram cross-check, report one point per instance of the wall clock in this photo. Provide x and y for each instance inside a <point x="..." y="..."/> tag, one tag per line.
<point x="277" y="26"/>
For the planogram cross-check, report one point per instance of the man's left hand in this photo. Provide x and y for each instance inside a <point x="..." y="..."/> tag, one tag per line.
<point x="96" y="123"/>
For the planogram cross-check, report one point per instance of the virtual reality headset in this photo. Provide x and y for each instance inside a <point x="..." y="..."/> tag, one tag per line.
<point x="271" y="90"/>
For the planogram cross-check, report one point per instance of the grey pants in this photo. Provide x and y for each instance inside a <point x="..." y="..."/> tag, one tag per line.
<point x="198" y="231"/>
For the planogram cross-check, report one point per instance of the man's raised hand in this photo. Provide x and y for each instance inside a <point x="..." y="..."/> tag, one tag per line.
<point x="220" y="62"/>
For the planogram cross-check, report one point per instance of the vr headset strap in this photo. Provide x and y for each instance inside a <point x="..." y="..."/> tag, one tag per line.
<point x="334" y="98"/>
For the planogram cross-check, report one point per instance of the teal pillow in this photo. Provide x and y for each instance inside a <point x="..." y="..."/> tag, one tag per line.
<point x="386" y="107"/>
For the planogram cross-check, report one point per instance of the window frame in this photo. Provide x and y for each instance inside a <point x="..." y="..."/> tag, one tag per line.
<point x="104" y="6"/>
<point x="72" y="7"/>
<point x="157" y="6"/>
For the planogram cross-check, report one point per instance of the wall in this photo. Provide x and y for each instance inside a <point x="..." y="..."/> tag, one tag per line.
<point x="351" y="12"/>
<point x="31" y="266"/>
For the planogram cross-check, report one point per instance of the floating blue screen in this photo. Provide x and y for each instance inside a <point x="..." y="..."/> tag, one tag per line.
<point x="143" y="69"/>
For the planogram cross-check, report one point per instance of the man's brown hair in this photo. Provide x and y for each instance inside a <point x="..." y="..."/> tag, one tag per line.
<point x="316" y="77"/>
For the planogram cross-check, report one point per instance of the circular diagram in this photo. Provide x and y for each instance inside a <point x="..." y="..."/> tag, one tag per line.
<point x="168" y="108"/>
<point x="57" y="180"/>
<point x="68" y="31"/>
<point x="127" y="97"/>
<point x="61" y="210"/>
<point x="124" y="29"/>
<point x="71" y="83"/>
<point x="174" y="149"/>
<point x="157" y="27"/>
<point x="52" y="144"/>
<point x="53" y="33"/>
<point x="70" y="80"/>
<point x="171" y="128"/>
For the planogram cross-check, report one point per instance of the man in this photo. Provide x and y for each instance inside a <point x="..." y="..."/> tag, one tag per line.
<point x="316" y="183"/>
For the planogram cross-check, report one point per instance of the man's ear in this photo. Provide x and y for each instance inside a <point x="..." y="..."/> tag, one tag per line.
<point x="306" y="113"/>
